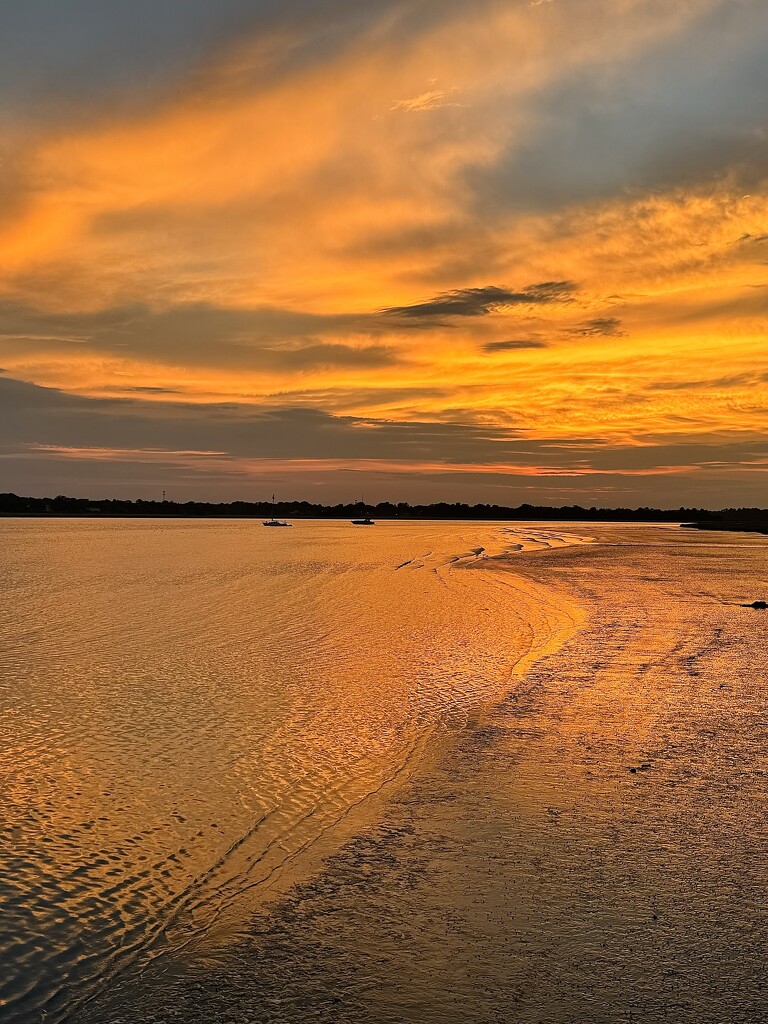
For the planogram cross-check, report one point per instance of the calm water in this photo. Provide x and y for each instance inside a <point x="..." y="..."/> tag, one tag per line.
<point x="186" y="707"/>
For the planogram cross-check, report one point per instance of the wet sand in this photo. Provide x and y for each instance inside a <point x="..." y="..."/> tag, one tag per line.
<point x="593" y="850"/>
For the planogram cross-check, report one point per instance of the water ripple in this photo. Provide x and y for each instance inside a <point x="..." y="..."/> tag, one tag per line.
<point x="186" y="707"/>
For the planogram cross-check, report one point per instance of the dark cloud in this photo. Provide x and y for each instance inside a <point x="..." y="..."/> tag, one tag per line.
<point x="53" y="52"/>
<point x="36" y="416"/>
<point x="481" y="301"/>
<point x="688" y="109"/>
<point x="599" y="327"/>
<point x="49" y="437"/>
<point x="514" y="345"/>
<point x="266" y="338"/>
<point x="148" y="391"/>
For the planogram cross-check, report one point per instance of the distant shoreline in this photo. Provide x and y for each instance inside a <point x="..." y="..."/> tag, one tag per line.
<point x="14" y="506"/>
<point x="63" y="506"/>
<point x="671" y="521"/>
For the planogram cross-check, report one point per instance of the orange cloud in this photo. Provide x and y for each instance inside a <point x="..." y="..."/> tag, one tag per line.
<point x="283" y="198"/>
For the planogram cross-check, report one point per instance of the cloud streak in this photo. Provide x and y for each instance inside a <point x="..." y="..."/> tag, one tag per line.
<point x="513" y="345"/>
<point x="599" y="327"/>
<point x="485" y="300"/>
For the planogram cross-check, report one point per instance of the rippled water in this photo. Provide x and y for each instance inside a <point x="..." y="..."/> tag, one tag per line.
<point x="594" y="848"/>
<point x="187" y="706"/>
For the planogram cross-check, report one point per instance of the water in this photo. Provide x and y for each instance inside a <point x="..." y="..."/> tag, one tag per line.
<point x="187" y="708"/>
<point x="593" y="847"/>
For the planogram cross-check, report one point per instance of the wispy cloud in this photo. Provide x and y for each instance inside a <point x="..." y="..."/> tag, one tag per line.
<point x="598" y="327"/>
<point x="513" y="345"/>
<point x="432" y="99"/>
<point x="481" y="301"/>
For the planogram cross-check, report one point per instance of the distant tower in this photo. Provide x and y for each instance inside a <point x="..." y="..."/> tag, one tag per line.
<point x="163" y="495"/>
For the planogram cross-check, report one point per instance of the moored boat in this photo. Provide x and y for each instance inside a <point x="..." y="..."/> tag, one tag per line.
<point x="273" y="521"/>
<point x="365" y="519"/>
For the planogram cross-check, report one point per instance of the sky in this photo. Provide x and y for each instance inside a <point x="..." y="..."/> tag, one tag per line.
<point x="423" y="250"/>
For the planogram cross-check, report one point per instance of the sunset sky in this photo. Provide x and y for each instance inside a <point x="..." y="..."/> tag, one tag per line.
<point x="421" y="249"/>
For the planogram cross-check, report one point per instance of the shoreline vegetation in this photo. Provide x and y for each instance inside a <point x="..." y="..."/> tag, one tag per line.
<point x="740" y="520"/>
<point x="13" y="505"/>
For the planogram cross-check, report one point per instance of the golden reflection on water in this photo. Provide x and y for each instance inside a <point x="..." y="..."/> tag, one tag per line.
<point x="187" y="706"/>
<point x="593" y="848"/>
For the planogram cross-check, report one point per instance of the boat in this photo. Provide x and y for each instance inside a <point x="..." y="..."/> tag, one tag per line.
<point x="365" y="520"/>
<point x="273" y="521"/>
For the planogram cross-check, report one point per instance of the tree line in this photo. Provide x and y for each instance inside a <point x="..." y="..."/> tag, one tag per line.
<point x="61" y="505"/>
